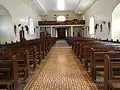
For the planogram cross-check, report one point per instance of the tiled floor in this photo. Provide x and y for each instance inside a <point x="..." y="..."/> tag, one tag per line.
<point x="61" y="72"/>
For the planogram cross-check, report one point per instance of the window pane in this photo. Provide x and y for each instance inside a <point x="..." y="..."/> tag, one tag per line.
<point x="61" y="18"/>
<point x="91" y="25"/>
<point x="31" y="26"/>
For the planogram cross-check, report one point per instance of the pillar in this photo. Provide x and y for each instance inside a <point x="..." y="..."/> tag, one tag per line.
<point x="71" y="31"/>
<point x="51" y="31"/>
<point x="56" y="33"/>
<point x="66" y="33"/>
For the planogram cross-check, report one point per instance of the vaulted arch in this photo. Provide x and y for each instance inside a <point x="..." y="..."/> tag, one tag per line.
<point x="5" y="24"/>
<point x="115" y="32"/>
<point x="4" y="11"/>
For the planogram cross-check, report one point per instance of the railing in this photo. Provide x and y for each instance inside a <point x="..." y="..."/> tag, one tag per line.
<point x="68" y="22"/>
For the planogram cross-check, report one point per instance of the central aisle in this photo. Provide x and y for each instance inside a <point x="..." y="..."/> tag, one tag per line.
<point x="61" y="72"/>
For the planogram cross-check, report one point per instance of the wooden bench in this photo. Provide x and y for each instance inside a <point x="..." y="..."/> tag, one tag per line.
<point x="111" y="72"/>
<point x="22" y="58"/>
<point x="8" y="72"/>
<point x="87" y="54"/>
<point x="79" y="47"/>
<point x="98" y="66"/>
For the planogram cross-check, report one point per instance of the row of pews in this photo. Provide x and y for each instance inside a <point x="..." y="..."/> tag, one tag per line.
<point x="19" y="60"/>
<point x="101" y="59"/>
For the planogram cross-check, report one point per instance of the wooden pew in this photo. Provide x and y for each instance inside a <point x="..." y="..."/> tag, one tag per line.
<point x="38" y="53"/>
<point x="78" y="47"/>
<point x="87" y="54"/>
<point x="32" y="56"/>
<point x="24" y="51"/>
<point x="32" y="51"/>
<point x="46" y="44"/>
<point x="111" y="72"/>
<point x="22" y="58"/>
<point x="8" y="72"/>
<point x="97" y="64"/>
<point x="69" y="40"/>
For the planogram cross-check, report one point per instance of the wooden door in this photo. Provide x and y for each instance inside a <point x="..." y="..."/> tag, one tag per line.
<point x="61" y="33"/>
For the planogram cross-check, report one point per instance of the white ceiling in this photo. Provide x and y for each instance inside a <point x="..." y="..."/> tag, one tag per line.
<point x="51" y="5"/>
<point x="44" y="6"/>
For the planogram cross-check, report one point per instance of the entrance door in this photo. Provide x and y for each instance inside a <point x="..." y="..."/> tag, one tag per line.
<point x="61" y="33"/>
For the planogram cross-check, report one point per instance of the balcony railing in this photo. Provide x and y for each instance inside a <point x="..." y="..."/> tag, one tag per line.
<point x="68" y="22"/>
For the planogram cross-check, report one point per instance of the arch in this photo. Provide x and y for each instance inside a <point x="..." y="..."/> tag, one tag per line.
<point x="91" y="25"/>
<point x="4" y="8"/>
<point x="61" y="18"/>
<point x="115" y="28"/>
<point x="6" y="26"/>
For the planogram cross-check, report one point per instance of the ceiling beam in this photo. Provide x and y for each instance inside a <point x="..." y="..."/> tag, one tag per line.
<point x="79" y="6"/>
<point x="35" y="2"/>
<point x="90" y="6"/>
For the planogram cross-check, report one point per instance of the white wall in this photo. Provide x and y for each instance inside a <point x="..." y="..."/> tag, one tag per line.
<point x="18" y="10"/>
<point x="48" y="30"/>
<point x="76" y="30"/>
<point x="102" y="11"/>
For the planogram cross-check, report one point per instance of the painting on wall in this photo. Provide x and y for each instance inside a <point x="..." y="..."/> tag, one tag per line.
<point x="96" y="27"/>
<point x="27" y="29"/>
<point x="34" y="30"/>
<point x="109" y="27"/>
<point x="15" y="30"/>
<point x="101" y="27"/>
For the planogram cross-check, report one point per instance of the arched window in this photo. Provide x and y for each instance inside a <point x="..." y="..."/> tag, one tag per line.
<point x="91" y="25"/>
<point x="61" y="18"/>
<point x="31" y="26"/>
<point x="115" y="32"/>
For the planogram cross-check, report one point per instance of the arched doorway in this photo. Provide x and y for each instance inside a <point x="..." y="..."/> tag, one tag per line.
<point x="115" y="32"/>
<point x="5" y="25"/>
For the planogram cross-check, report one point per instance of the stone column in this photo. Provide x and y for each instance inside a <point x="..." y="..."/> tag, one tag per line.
<point x="51" y="31"/>
<point x="71" y="31"/>
<point x="66" y="33"/>
<point x="56" y="33"/>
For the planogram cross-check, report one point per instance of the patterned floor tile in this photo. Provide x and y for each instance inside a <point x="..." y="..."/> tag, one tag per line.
<point x="61" y="72"/>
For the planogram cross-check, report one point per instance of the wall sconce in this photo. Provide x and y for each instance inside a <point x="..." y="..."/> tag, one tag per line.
<point x="67" y="15"/>
<point x="19" y="25"/>
<point x="36" y="27"/>
<point x="27" y="29"/>
<point x="54" y="16"/>
<point x="103" y="22"/>
<point x="96" y="26"/>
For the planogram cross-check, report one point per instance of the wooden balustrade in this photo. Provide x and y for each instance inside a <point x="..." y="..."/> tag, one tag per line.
<point x="68" y="22"/>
